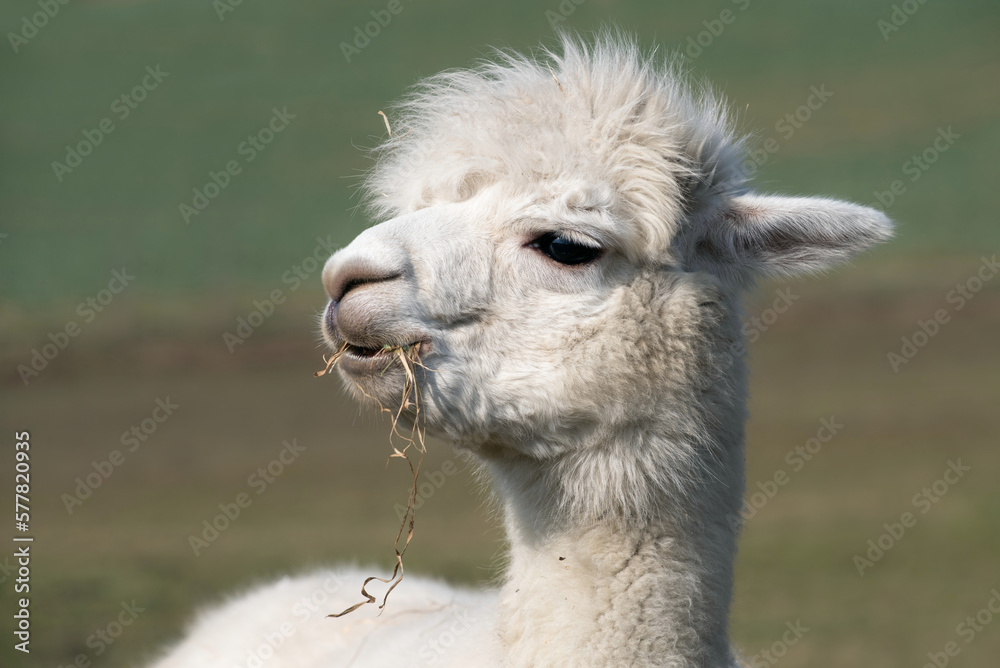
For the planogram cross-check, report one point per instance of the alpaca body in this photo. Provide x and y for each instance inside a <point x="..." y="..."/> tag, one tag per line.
<point x="616" y="595"/>
<point x="284" y="625"/>
<point x="565" y="245"/>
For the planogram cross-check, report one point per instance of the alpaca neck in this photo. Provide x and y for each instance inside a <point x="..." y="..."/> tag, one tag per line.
<point x="609" y="591"/>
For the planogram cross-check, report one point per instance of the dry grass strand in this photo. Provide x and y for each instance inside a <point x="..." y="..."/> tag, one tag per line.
<point x="409" y="359"/>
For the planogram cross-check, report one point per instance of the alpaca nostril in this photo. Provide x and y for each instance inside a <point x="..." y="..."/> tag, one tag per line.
<point x="369" y="259"/>
<point x="364" y="280"/>
<point x="354" y="276"/>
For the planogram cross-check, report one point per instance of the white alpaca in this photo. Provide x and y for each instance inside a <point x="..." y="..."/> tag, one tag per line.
<point x="567" y="241"/>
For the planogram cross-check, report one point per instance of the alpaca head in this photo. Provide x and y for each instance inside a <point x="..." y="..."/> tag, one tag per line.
<point x="566" y="243"/>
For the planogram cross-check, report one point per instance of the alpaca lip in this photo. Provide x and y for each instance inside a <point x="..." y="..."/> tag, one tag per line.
<point x="364" y="360"/>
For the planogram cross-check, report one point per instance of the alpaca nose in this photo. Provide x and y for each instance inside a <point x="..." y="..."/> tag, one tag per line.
<point x="352" y="279"/>
<point x="352" y="276"/>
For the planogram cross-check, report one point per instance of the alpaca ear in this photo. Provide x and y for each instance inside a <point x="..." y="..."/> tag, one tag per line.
<point x="772" y="236"/>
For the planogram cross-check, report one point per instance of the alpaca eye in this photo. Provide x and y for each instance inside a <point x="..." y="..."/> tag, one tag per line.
<point x="564" y="250"/>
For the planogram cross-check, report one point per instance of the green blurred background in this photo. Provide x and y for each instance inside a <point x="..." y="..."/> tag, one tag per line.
<point x="162" y="337"/>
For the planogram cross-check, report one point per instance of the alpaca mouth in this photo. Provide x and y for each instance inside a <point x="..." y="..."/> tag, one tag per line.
<point x="361" y="351"/>
<point x="386" y="351"/>
<point x="365" y="361"/>
<point x="390" y="362"/>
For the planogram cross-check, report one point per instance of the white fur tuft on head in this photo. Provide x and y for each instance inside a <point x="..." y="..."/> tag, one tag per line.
<point x="624" y="122"/>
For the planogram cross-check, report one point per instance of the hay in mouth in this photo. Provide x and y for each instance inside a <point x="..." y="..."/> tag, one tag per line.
<point x="368" y="352"/>
<point x="409" y="357"/>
